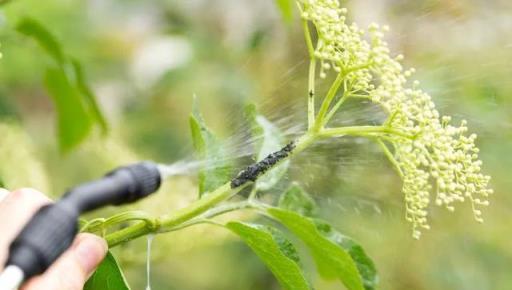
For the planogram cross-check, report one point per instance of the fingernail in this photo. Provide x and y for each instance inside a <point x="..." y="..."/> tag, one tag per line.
<point x="90" y="252"/>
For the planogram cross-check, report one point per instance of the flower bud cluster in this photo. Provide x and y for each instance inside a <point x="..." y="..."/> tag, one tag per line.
<point x="439" y="162"/>
<point x="339" y="45"/>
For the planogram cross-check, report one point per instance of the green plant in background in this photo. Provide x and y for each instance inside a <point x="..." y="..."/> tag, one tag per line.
<point x="430" y="155"/>
<point x="18" y="152"/>
<point x="436" y="161"/>
<point x="77" y="110"/>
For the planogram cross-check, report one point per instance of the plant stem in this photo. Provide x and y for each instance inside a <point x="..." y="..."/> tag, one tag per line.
<point x="127" y="234"/>
<point x="253" y="194"/>
<point x="226" y="191"/>
<point x="363" y="131"/>
<point x="311" y="93"/>
<point x="391" y="158"/>
<point x="311" y="76"/>
<point x="120" y="218"/>
<point x="216" y="211"/>
<point x="140" y="229"/>
<point x="165" y="223"/>
<point x="309" y="41"/>
<point x="346" y="95"/>
<point x="319" y="122"/>
<point x="222" y="193"/>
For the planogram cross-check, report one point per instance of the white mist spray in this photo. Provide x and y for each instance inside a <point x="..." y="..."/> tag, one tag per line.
<point x="148" y="261"/>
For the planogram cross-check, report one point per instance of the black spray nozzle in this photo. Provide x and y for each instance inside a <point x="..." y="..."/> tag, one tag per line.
<point x="121" y="186"/>
<point x="52" y="229"/>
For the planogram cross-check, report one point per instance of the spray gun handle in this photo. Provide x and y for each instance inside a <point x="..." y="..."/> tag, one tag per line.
<point x="48" y="234"/>
<point x="52" y="229"/>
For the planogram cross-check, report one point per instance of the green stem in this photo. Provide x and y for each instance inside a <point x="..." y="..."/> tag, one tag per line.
<point x="309" y="41"/>
<point x="140" y="229"/>
<point x="127" y="234"/>
<point x="216" y="211"/>
<point x="312" y="74"/>
<point x="311" y="93"/>
<point x="391" y="158"/>
<point x="90" y="226"/>
<point x="335" y="108"/>
<point x="372" y="131"/>
<point x="254" y="193"/>
<point x="220" y="194"/>
<point x="203" y="205"/>
<point x="327" y="102"/>
<point x="360" y="96"/>
<point x="166" y="223"/>
<point x="196" y="222"/>
<point x="222" y="209"/>
<point x="98" y="224"/>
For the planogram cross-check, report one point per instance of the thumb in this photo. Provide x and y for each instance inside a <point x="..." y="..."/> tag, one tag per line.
<point x="71" y="271"/>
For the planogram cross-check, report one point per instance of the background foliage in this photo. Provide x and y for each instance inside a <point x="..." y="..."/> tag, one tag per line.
<point x="144" y="60"/>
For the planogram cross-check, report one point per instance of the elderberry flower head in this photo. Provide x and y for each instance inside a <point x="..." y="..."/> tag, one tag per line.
<point x="437" y="161"/>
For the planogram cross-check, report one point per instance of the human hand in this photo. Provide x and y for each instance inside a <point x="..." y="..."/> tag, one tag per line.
<point x="73" y="268"/>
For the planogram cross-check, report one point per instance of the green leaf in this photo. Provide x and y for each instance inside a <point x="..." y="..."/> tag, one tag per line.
<point x="286" y="9"/>
<point x="88" y="95"/>
<point x="77" y="109"/>
<point x="333" y="261"/>
<point x="73" y="121"/>
<point x="250" y="114"/>
<point x="217" y="168"/>
<point x="297" y="200"/>
<point x="108" y="276"/>
<point x="3" y="2"/>
<point x="275" y="251"/>
<point x="2" y="183"/>
<point x="271" y="140"/>
<point x="45" y="38"/>
<point x="363" y="262"/>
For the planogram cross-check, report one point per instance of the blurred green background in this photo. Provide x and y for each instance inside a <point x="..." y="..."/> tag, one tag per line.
<point x="146" y="59"/>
